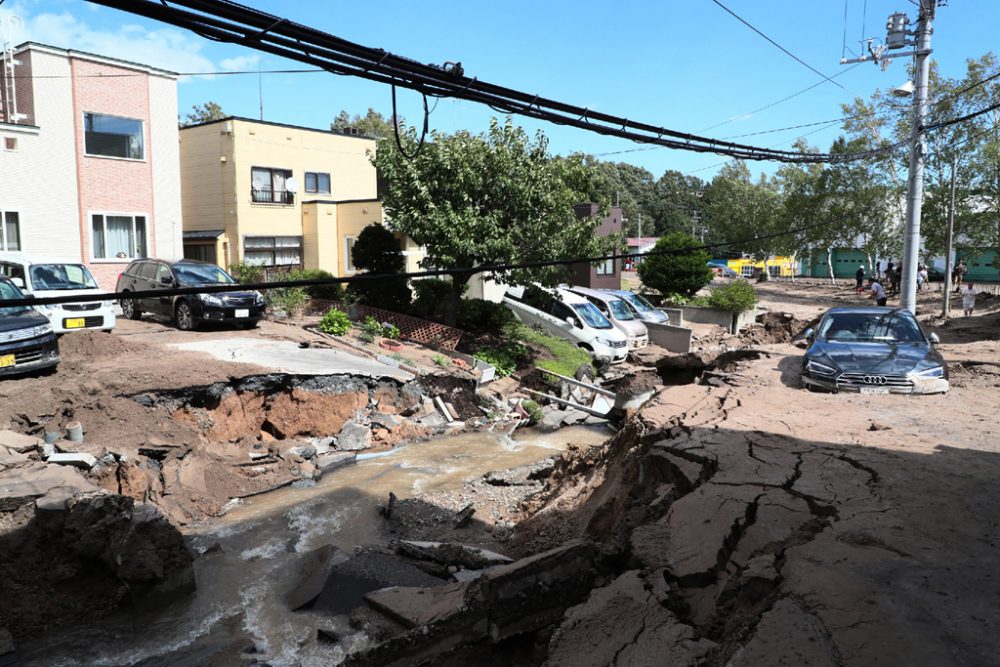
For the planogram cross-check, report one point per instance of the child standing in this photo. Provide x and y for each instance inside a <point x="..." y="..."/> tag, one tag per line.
<point x="969" y="298"/>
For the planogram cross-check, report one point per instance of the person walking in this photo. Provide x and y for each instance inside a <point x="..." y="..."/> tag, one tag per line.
<point x="925" y="277"/>
<point x="859" y="280"/>
<point x="969" y="298"/>
<point x="920" y="278"/>
<point x="889" y="272"/>
<point x="877" y="292"/>
<point x="960" y="270"/>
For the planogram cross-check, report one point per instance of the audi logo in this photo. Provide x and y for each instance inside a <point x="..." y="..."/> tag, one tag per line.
<point x="873" y="379"/>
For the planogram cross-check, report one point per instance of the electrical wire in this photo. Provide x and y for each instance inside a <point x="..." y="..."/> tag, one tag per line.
<point x="395" y="128"/>
<point x="960" y="119"/>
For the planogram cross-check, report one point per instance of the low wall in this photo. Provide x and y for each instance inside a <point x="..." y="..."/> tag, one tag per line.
<point x="724" y="318"/>
<point x="674" y="338"/>
<point x="676" y="314"/>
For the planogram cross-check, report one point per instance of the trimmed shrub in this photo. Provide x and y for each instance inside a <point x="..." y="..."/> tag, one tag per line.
<point x="335" y="322"/>
<point x="431" y="298"/>
<point x="331" y="292"/>
<point x="244" y="273"/>
<point x="683" y="271"/>
<point x="376" y="251"/>
<point x="737" y="296"/>
<point x="480" y="315"/>
<point x="533" y="409"/>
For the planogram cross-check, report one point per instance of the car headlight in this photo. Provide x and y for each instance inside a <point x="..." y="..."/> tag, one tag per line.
<point x="44" y="329"/>
<point x="210" y="299"/>
<point x="933" y="372"/>
<point x="258" y="298"/>
<point x="820" y="369"/>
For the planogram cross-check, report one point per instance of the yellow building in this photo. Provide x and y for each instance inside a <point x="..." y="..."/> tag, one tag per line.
<point x="278" y="195"/>
<point x="775" y="266"/>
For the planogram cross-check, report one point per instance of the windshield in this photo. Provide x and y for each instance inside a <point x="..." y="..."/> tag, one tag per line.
<point x="201" y="274"/>
<point x="592" y="316"/>
<point x="621" y="311"/>
<point x="9" y="291"/>
<point x="61" y="277"/>
<point x="638" y="302"/>
<point x="872" y="327"/>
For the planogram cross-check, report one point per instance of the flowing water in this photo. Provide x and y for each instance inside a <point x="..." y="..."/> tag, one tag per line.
<point x="259" y="551"/>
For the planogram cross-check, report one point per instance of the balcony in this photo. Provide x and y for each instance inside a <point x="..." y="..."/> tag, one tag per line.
<point x="281" y="197"/>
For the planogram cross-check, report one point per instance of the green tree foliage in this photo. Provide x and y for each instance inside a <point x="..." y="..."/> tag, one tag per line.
<point x="737" y="296"/>
<point x="683" y="272"/>
<point x="202" y="113"/>
<point x="487" y="199"/>
<point x="377" y="251"/>
<point x="335" y="322"/>
<point x="372" y="124"/>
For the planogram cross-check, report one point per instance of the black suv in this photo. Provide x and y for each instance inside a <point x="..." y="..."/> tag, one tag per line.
<point x="243" y="308"/>
<point x="26" y="340"/>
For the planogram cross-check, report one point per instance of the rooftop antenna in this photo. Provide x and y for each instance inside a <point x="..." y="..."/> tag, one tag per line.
<point x="260" y="91"/>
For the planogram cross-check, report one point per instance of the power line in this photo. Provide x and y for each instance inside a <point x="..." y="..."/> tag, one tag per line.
<point x="231" y="22"/>
<point x="960" y="119"/>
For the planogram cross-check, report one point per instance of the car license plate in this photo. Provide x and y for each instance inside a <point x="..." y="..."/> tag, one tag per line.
<point x="874" y="390"/>
<point x="242" y="312"/>
<point x="7" y="360"/>
<point x="75" y="323"/>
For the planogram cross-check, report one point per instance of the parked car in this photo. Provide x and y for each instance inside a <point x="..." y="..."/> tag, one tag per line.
<point x="39" y="277"/>
<point x="873" y="351"/>
<point x="27" y="342"/>
<point x="619" y="313"/>
<point x="243" y="308"/>
<point x="564" y="314"/>
<point x="642" y="308"/>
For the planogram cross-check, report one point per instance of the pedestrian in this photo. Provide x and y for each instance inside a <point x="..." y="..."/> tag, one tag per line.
<point x="960" y="270"/>
<point x="859" y="280"/>
<point x="877" y="292"/>
<point x="969" y="298"/>
<point x="925" y="277"/>
<point x="920" y="278"/>
<point x="898" y="278"/>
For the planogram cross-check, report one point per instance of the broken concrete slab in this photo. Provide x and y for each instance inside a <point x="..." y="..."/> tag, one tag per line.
<point x="387" y="422"/>
<point x="81" y="460"/>
<point x="420" y="606"/>
<point x="354" y="437"/>
<point x="20" y="486"/>
<point x="551" y="420"/>
<point x="788" y="635"/>
<point x="449" y="553"/>
<point x="11" y="458"/>
<point x="333" y="460"/>
<point x="19" y="442"/>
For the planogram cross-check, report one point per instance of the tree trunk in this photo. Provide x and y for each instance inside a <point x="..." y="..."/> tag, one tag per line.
<point x="458" y="285"/>
<point x="829" y="266"/>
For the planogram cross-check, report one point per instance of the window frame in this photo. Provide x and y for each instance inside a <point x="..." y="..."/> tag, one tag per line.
<point x="273" y="249"/>
<point x="147" y="235"/>
<point x="142" y="138"/>
<point x="287" y="199"/>
<point x="348" y="260"/>
<point x="317" y="190"/>
<point x="603" y="267"/>
<point x="4" y="245"/>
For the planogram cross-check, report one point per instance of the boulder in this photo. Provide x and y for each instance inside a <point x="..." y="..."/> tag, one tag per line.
<point x="354" y="437"/>
<point x="11" y="458"/>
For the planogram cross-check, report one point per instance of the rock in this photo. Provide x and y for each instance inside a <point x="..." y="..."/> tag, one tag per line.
<point x="47" y="450"/>
<point x="21" y="486"/>
<point x="420" y="606"/>
<point x="6" y="645"/>
<point x="9" y="457"/>
<point x="80" y="460"/>
<point x="18" y="442"/>
<point x="551" y="420"/>
<point x="331" y="461"/>
<point x="303" y="451"/>
<point x="573" y="416"/>
<point x="464" y="515"/>
<point x="387" y="422"/>
<point x="878" y="426"/>
<point x="326" y="636"/>
<point x="448" y="553"/>
<point x="354" y="437"/>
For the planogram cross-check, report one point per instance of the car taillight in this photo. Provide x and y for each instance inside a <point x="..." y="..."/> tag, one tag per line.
<point x="120" y="276"/>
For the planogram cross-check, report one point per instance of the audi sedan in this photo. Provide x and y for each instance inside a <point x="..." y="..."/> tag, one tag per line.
<point x="872" y="351"/>
<point x="241" y="307"/>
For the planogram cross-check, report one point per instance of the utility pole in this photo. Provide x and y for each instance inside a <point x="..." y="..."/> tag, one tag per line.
<point x="896" y="38"/>
<point x="948" y="241"/>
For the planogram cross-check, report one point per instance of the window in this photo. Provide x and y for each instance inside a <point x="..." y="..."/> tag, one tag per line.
<point x="606" y="268"/>
<point x="203" y="252"/>
<point x="349" y="252"/>
<point x="118" y="236"/>
<point x="147" y="270"/>
<point x="10" y="143"/>
<point x="317" y="182"/>
<point x="10" y="230"/>
<point x="272" y="250"/>
<point x="112" y="136"/>
<point x="268" y="186"/>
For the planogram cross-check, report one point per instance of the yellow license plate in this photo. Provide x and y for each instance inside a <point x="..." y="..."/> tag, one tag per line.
<point x="75" y="323"/>
<point x="6" y="360"/>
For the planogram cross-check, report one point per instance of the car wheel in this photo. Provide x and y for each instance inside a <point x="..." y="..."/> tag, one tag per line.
<point x="130" y="308"/>
<point x="184" y="317"/>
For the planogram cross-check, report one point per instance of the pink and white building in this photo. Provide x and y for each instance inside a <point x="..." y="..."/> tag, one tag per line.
<point x="89" y="161"/>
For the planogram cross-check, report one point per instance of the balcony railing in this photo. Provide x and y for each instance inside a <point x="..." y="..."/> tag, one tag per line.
<point x="272" y="196"/>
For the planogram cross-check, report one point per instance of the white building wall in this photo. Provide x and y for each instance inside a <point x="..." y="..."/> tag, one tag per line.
<point x="165" y="144"/>
<point x="38" y="179"/>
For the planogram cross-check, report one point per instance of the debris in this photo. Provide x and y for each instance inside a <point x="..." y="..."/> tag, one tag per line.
<point x="74" y="431"/>
<point x="353" y="437"/>
<point x="464" y="515"/>
<point x="18" y="442"/>
<point x="449" y="553"/>
<point x="306" y="452"/>
<point x="11" y="458"/>
<point x="444" y="409"/>
<point x="78" y="459"/>
<point x="451" y="410"/>
<point x="332" y="460"/>
<point x="878" y="426"/>
<point x="390" y="504"/>
<point x="326" y="636"/>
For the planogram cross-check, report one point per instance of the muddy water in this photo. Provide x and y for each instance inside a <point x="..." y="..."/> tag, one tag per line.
<point x="259" y="551"/>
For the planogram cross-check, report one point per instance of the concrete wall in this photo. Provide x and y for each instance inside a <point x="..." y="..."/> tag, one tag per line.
<point x="733" y="322"/>
<point x="668" y="336"/>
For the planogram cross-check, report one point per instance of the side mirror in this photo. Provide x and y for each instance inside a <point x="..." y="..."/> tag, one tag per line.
<point x="166" y="280"/>
<point x="18" y="282"/>
<point x="808" y="334"/>
<point x="935" y="338"/>
<point x="571" y="321"/>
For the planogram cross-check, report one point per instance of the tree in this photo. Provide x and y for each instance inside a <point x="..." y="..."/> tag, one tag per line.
<point x="489" y="199"/>
<point x="377" y="251"/>
<point x="680" y="270"/>
<point x="203" y="113"/>
<point x="372" y="124"/>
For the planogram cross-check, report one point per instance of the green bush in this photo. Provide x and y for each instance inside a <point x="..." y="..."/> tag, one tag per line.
<point x="533" y="409"/>
<point x="679" y="270"/>
<point x="441" y="360"/>
<point x="331" y="292"/>
<point x="568" y="357"/>
<point x="376" y="251"/>
<point x="503" y="359"/>
<point x="244" y="272"/>
<point x="737" y="296"/>
<point x="390" y="331"/>
<point x="431" y="298"/>
<point x="335" y="322"/>
<point x="289" y="299"/>
<point x="480" y="315"/>
<point x="372" y="327"/>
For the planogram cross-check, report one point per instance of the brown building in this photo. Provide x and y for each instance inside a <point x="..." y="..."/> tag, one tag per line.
<point x="607" y="274"/>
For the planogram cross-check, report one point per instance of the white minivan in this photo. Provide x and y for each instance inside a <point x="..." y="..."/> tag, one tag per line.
<point x="43" y="278"/>
<point x="570" y="316"/>
<point x="618" y="313"/>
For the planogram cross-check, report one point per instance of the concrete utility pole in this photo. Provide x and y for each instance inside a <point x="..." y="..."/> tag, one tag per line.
<point x="948" y="241"/>
<point x="896" y="38"/>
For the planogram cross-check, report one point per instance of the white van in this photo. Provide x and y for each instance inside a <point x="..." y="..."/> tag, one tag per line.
<point x="618" y="313"/>
<point x="43" y="278"/>
<point x="570" y="316"/>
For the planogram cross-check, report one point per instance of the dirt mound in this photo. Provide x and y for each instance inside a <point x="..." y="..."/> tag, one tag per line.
<point x="774" y="327"/>
<point x="90" y="345"/>
<point x="637" y="383"/>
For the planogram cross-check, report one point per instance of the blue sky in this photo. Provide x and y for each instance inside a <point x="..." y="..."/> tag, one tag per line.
<point x="682" y="64"/>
